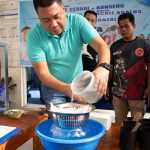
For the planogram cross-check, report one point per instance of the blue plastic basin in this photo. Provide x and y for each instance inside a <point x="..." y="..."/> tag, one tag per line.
<point x="88" y="142"/>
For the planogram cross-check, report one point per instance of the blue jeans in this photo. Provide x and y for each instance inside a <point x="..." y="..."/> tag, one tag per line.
<point x="53" y="96"/>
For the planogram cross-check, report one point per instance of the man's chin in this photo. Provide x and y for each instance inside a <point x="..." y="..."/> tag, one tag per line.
<point x="56" y="33"/>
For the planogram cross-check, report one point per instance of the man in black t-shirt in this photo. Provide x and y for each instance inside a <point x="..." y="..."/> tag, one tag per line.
<point x="130" y="70"/>
<point x="89" y="56"/>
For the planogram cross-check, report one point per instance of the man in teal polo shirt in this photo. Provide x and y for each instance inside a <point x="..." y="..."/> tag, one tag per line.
<point x="54" y="47"/>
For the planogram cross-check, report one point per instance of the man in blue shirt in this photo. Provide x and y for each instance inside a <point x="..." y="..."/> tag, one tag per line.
<point x="54" y="47"/>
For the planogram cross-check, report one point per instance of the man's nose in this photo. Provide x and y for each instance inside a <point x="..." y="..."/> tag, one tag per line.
<point x="90" y="21"/>
<point x="53" y="23"/>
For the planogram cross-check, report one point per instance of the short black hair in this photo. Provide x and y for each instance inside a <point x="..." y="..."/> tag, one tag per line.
<point x="45" y="3"/>
<point x="90" y="12"/>
<point x="148" y="36"/>
<point x="129" y="16"/>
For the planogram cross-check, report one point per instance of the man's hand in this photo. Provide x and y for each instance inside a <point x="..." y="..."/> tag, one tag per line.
<point x="107" y="95"/>
<point x="101" y="80"/>
<point x="67" y="91"/>
<point x="79" y="99"/>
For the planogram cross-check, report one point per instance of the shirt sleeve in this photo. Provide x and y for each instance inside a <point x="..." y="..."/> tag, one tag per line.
<point x="34" y="46"/>
<point x="87" y="31"/>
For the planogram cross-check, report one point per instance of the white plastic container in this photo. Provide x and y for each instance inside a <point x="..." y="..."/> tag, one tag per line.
<point x="84" y="85"/>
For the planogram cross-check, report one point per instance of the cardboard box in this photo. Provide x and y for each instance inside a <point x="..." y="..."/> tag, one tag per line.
<point x="109" y="112"/>
<point x="105" y="119"/>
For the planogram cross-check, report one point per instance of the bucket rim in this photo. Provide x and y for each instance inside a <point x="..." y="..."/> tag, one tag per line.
<point x="71" y="141"/>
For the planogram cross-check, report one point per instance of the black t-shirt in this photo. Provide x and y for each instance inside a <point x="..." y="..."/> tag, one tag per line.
<point x="130" y="73"/>
<point x="89" y="63"/>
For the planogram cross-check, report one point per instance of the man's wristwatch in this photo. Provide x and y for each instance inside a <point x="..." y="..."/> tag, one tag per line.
<point x="104" y="65"/>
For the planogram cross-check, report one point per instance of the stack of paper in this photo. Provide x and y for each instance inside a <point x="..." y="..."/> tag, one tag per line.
<point x="147" y="115"/>
<point x="109" y="112"/>
<point x="106" y="117"/>
<point x="6" y="132"/>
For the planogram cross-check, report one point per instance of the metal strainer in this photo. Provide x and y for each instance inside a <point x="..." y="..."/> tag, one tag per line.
<point x="70" y="120"/>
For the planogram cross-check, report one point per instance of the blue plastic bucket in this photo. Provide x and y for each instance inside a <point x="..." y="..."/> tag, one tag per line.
<point x="90" y="141"/>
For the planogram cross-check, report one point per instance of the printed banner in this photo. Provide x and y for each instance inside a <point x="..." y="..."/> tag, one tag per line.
<point x="107" y="15"/>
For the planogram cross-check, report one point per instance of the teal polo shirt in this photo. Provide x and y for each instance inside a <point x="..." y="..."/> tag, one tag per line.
<point x="62" y="53"/>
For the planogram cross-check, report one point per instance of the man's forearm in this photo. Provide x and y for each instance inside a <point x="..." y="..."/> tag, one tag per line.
<point x="48" y="79"/>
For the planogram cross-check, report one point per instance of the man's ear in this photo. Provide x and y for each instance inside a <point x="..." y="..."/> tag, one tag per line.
<point x="63" y="7"/>
<point x="134" y="25"/>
